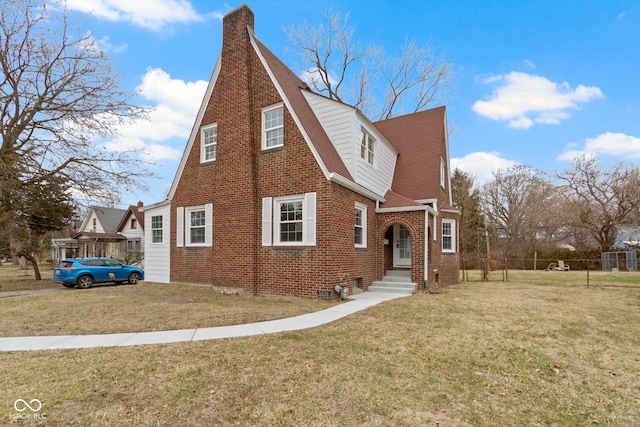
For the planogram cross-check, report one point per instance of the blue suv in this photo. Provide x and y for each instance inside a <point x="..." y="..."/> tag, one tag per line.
<point x="84" y="272"/>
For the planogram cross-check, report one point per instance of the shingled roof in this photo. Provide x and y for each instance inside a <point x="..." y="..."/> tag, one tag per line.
<point x="420" y="139"/>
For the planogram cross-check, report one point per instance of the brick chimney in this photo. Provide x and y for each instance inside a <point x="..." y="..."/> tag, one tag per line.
<point x="234" y="26"/>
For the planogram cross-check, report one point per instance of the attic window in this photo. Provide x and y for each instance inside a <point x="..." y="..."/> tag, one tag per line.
<point x="367" y="148"/>
<point x="209" y="143"/>
<point x="134" y="224"/>
<point x="273" y="127"/>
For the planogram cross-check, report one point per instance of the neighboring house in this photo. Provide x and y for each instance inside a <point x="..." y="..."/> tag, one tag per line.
<point x="283" y="191"/>
<point x="63" y="245"/>
<point x="131" y="226"/>
<point x="98" y="236"/>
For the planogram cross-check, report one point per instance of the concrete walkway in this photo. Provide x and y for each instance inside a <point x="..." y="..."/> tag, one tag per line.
<point x="357" y="303"/>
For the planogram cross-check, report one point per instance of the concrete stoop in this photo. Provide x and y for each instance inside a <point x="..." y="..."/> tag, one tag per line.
<point x="395" y="281"/>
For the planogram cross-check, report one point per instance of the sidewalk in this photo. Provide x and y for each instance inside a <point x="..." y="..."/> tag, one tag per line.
<point x="358" y="302"/>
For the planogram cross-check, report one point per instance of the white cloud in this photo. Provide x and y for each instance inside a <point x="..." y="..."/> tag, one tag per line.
<point x="150" y="14"/>
<point x="523" y="99"/>
<point x="608" y="143"/>
<point x="106" y="45"/>
<point x="170" y="119"/>
<point x="615" y="144"/>
<point x="482" y="165"/>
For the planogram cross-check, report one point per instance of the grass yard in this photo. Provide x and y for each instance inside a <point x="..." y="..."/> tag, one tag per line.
<point x="14" y="279"/>
<point x="477" y="354"/>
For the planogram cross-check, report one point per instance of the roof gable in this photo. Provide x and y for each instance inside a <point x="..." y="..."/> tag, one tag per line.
<point x="421" y="141"/>
<point x="132" y="211"/>
<point x="108" y="218"/>
<point x="290" y="88"/>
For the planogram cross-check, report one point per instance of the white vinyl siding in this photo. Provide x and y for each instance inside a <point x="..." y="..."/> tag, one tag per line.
<point x="157" y="254"/>
<point x="344" y="126"/>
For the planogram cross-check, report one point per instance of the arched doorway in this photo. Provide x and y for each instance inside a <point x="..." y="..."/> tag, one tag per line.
<point x="398" y="247"/>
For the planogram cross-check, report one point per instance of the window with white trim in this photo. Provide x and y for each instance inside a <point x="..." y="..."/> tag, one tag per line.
<point x="367" y="148"/>
<point x="273" y="127"/>
<point x="443" y="173"/>
<point x="289" y="221"/>
<point x="448" y="235"/>
<point x="156" y="229"/>
<point x="194" y="225"/>
<point x="196" y="222"/>
<point x="208" y="143"/>
<point x="360" y="227"/>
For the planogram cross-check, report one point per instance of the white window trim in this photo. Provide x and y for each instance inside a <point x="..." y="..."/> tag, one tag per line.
<point x="443" y="170"/>
<point x="363" y="209"/>
<point x="264" y="129"/>
<point x="271" y="220"/>
<point x="453" y="235"/>
<point x="203" y="146"/>
<point x="161" y="228"/>
<point x="183" y="226"/>
<point x="370" y="147"/>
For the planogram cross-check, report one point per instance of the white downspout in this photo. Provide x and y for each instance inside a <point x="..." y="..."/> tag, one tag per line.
<point x="426" y="248"/>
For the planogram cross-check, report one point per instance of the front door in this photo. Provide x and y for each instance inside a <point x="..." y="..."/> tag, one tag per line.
<point x="401" y="246"/>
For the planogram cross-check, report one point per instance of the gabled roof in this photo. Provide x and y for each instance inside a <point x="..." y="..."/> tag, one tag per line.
<point x="109" y="218"/>
<point x="290" y="88"/>
<point x="133" y="210"/>
<point x="420" y="139"/>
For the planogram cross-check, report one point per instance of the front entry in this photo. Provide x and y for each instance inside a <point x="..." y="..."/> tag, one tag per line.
<point x="401" y="246"/>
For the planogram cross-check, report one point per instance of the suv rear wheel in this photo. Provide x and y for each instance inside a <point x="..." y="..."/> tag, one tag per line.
<point x="85" y="282"/>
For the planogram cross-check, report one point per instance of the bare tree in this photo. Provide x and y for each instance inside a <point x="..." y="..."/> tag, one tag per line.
<point x="601" y="199"/>
<point x="59" y="94"/>
<point x="515" y="205"/>
<point x="351" y="72"/>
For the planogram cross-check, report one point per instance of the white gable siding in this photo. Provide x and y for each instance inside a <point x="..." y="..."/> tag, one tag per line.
<point x="337" y="120"/>
<point x="128" y="232"/>
<point x="88" y="225"/>
<point x="157" y="256"/>
<point x="343" y="125"/>
<point x="377" y="178"/>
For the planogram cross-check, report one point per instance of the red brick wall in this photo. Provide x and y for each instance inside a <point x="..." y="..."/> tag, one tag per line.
<point x="243" y="174"/>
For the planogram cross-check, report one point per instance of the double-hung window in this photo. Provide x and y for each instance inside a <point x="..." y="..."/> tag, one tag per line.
<point x="194" y="225"/>
<point x="360" y="228"/>
<point x="368" y="148"/>
<point x="209" y="143"/>
<point x="156" y="229"/>
<point x="273" y="127"/>
<point x="289" y="220"/>
<point x="448" y="235"/>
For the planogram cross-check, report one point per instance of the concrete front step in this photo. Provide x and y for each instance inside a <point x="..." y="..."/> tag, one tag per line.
<point x="394" y="281"/>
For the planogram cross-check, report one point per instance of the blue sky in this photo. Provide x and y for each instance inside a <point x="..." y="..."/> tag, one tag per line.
<point x="537" y="82"/>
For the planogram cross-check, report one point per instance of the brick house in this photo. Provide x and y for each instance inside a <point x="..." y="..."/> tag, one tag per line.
<point x="283" y="191"/>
